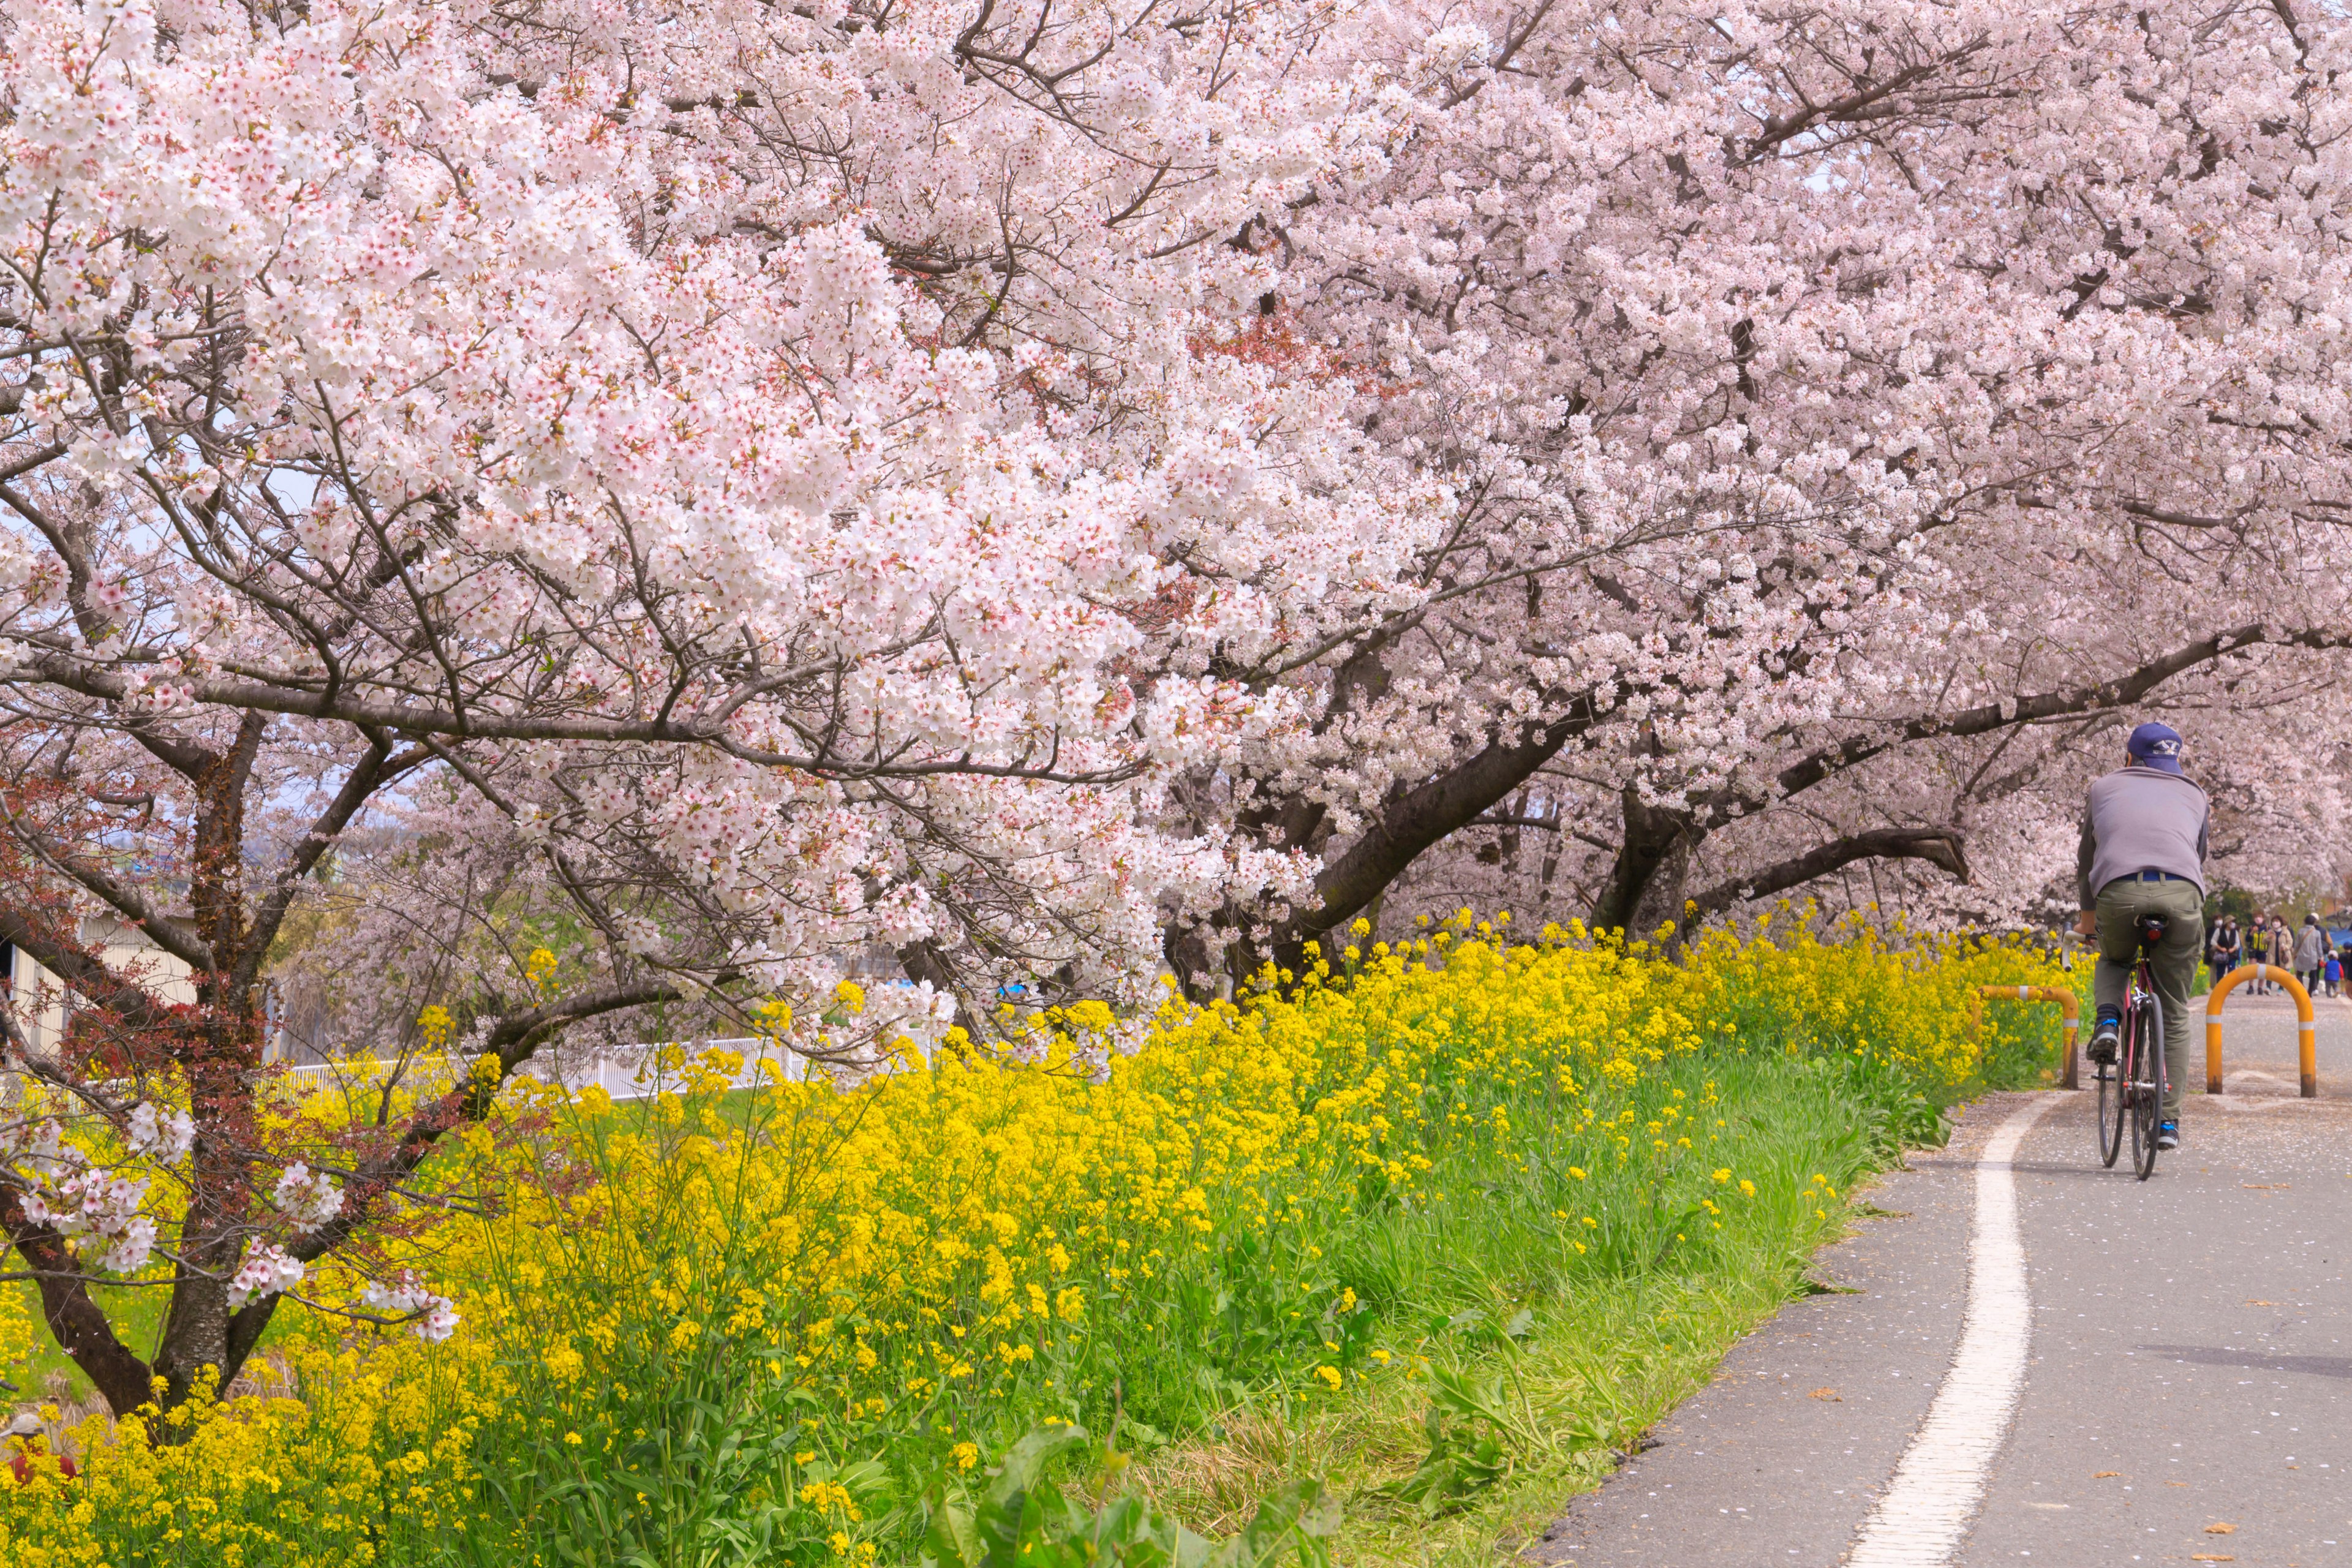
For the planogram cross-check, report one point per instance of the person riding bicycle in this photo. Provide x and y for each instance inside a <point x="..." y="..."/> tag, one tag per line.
<point x="2143" y="853"/>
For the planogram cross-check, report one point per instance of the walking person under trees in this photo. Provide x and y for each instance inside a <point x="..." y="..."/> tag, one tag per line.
<point x="2310" y="946"/>
<point x="2229" y="947"/>
<point x="2269" y="951"/>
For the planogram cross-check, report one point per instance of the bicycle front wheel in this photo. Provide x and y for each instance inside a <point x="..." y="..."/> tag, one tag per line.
<point x="2148" y="1088"/>
<point x="2114" y="1097"/>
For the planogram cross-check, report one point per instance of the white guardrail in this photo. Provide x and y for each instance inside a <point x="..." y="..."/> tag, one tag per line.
<point x="621" y="1075"/>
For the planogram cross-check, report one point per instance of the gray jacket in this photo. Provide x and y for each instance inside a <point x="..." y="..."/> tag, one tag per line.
<point x="2306" y="948"/>
<point x="2140" y="819"/>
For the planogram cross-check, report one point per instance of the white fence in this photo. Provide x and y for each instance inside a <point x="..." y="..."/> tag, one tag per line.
<point x="628" y="1074"/>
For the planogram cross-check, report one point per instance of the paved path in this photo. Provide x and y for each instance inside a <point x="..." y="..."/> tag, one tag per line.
<point x="2189" y="1365"/>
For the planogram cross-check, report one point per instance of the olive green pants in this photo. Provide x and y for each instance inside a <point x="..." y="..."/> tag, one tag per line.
<point x="2173" y="964"/>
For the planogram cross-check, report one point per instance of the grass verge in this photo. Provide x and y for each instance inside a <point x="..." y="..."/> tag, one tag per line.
<point x="1562" y="1378"/>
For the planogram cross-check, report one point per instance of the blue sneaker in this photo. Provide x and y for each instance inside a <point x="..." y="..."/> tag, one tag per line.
<point x="2107" y="1033"/>
<point x="2168" y="1135"/>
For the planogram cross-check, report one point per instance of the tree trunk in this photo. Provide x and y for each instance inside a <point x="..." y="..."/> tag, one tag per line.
<point x="922" y="961"/>
<point x="1411" y="819"/>
<point x="219" y="1067"/>
<point x="1194" y="959"/>
<point x="1645" y="889"/>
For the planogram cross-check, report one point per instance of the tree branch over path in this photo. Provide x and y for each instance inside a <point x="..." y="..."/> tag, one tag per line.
<point x="2134" y="686"/>
<point x="1940" y="846"/>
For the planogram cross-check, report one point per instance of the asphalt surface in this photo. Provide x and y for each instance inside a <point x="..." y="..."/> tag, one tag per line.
<point x="2190" y="1367"/>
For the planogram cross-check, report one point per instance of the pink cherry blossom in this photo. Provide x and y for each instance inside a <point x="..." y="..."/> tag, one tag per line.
<point x="997" y="499"/>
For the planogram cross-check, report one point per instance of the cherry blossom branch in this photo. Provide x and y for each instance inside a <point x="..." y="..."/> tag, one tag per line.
<point x="2133" y="686"/>
<point x="1940" y="846"/>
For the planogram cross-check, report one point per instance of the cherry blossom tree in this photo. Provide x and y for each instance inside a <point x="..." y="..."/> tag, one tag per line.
<point x="1832" y="393"/>
<point x="1030" y="488"/>
<point x="772" y="486"/>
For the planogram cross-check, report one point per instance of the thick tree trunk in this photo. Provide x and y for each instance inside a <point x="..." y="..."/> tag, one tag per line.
<point x="195" y="1330"/>
<point x="220" y="1067"/>
<point x="219" y="1059"/>
<point x="80" y="1326"/>
<point x="1645" y="889"/>
<point x="1409" y="822"/>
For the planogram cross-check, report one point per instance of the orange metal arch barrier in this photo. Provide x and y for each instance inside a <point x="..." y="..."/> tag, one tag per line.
<point x="2306" y="1028"/>
<point x="2068" y="1008"/>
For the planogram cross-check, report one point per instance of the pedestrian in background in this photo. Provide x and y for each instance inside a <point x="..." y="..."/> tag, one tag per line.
<point x="2258" y="952"/>
<point x="2331" y="974"/>
<point x="2227" y="948"/>
<point x="2308" y="954"/>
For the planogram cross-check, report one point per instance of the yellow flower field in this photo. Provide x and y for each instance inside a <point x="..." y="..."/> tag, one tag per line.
<point x="727" y="1326"/>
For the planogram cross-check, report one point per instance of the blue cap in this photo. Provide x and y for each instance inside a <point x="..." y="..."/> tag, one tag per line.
<point x="2157" y="746"/>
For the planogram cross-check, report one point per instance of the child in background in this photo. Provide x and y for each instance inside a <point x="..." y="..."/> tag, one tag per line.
<point x="2332" y="974"/>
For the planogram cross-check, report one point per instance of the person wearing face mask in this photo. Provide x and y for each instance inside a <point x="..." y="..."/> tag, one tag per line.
<point x="2229" y="947"/>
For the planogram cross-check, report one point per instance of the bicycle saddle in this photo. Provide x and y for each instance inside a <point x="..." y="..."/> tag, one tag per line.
<point x="2151" y="928"/>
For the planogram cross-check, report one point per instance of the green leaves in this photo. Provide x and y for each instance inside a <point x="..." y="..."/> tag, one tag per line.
<point x="1025" y="1519"/>
<point x="1892" y="1113"/>
<point x="1469" y="1446"/>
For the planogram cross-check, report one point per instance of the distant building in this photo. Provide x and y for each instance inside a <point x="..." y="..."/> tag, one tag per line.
<point x="44" y="1005"/>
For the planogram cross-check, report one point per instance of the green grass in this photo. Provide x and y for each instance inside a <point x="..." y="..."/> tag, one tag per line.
<point x="1570" y="1337"/>
<point x="1597" y="1361"/>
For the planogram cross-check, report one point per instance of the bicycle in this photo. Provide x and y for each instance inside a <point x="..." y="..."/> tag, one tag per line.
<point x="2132" y="1085"/>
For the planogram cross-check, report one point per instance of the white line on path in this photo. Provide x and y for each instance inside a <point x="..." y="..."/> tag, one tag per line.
<point x="1936" y="1487"/>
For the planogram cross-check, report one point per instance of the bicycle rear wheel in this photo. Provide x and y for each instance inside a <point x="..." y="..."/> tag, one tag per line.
<point x="2147" y="1087"/>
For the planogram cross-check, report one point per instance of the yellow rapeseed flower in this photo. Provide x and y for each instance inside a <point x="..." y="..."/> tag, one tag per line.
<point x="955" y="1244"/>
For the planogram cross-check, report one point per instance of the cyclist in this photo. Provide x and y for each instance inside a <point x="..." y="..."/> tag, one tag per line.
<point x="2143" y="853"/>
